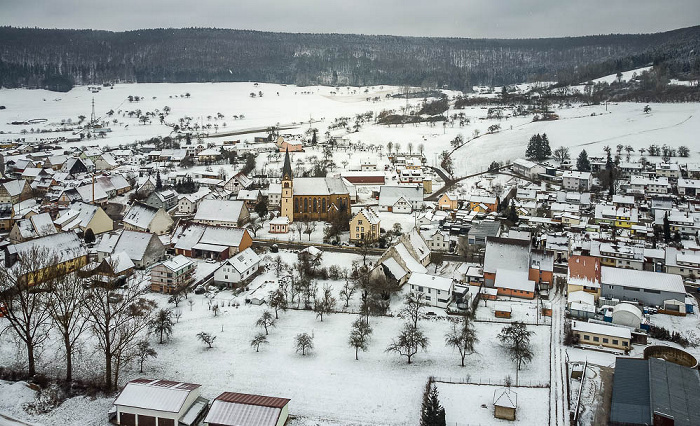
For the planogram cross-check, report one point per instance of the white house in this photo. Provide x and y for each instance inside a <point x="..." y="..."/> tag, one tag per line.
<point x="438" y="240"/>
<point x="237" y="268"/>
<point x="527" y="168"/>
<point x="400" y="199"/>
<point x="644" y="185"/>
<point x="188" y="203"/>
<point x="158" y="402"/>
<point x="576" y="181"/>
<point x="669" y="170"/>
<point x="437" y="290"/>
<point x="143" y="218"/>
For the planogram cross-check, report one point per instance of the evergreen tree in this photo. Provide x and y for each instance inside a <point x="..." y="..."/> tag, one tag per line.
<point x="532" y="148"/>
<point x="89" y="236"/>
<point x="313" y="139"/>
<point x="545" y="150"/>
<point x="432" y="413"/>
<point x="512" y="214"/>
<point x="159" y="182"/>
<point x="667" y="228"/>
<point x="583" y="164"/>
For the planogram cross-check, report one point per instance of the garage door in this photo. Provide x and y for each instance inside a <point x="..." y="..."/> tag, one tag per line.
<point x="127" y="419"/>
<point x="147" y="421"/>
<point x="165" y="422"/>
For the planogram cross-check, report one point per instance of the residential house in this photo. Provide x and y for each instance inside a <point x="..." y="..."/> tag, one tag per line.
<point x="238" y="268"/>
<point x="577" y="181"/>
<point x="641" y="185"/>
<point x="689" y="188"/>
<point x="400" y="199"/>
<point x="251" y="197"/>
<point x="214" y="242"/>
<point x="166" y="200"/>
<point x="238" y="409"/>
<point x="447" y="201"/>
<point x="75" y="166"/>
<point x="514" y="283"/>
<point x="483" y="204"/>
<point x="685" y="223"/>
<point x="237" y="182"/>
<point x="669" y="170"/>
<point x="618" y="255"/>
<point x="143" y="248"/>
<point x="65" y="248"/>
<point x="685" y="263"/>
<point x="364" y="226"/>
<point x="82" y="216"/>
<point x="480" y="232"/>
<point x="409" y="255"/>
<point x="6" y="217"/>
<point x="188" y="204"/>
<point x="274" y="195"/>
<point x="15" y="191"/>
<point x="438" y="240"/>
<point x="105" y="161"/>
<point x="38" y="225"/>
<point x="143" y="218"/>
<point x="436" y="290"/>
<point x="230" y="213"/>
<point x="172" y="275"/>
<point x="527" y="168"/>
<point x="145" y="402"/>
<point x="364" y="178"/>
<point x="620" y="217"/>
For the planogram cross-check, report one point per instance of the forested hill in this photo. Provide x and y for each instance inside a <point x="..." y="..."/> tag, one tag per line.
<point x="57" y="59"/>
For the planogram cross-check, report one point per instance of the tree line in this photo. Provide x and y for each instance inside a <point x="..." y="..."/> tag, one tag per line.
<point x="57" y="59"/>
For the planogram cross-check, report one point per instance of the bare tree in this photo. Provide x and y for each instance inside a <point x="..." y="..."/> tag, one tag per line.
<point x="143" y="352"/>
<point x="177" y="313"/>
<point x="266" y="321"/>
<point x="278" y="265"/>
<point x="68" y="313"/>
<point x="359" y="335"/>
<point x="258" y="340"/>
<point x="24" y="295"/>
<point x="298" y="226"/>
<point x="347" y="292"/>
<point x="162" y="324"/>
<point x="303" y="343"/>
<point x="278" y="301"/>
<point x="517" y="338"/>
<point x="413" y="305"/>
<point x="118" y="317"/>
<point x="309" y="228"/>
<point x="206" y="338"/>
<point x="254" y="226"/>
<point x="326" y="304"/>
<point x="462" y="337"/>
<point x="408" y="342"/>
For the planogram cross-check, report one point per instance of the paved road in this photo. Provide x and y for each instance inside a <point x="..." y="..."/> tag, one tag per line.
<point x="558" y="394"/>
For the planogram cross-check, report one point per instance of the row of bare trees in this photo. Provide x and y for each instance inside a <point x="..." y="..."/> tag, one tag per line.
<point x="71" y="306"/>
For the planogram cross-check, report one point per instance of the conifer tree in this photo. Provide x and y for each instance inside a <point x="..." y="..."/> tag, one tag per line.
<point x="583" y="164"/>
<point x="432" y="413"/>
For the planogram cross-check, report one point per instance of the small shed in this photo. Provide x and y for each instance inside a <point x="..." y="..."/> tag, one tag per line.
<point x="502" y="310"/>
<point x="505" y="402"/>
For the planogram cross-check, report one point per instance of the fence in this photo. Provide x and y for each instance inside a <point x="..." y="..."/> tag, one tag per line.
<point x="490" y="382"/>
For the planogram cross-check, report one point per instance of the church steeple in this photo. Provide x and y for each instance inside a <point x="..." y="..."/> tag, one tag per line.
<point x="287" y="168"/>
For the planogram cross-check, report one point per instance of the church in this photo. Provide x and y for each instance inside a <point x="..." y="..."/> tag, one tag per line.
<point x="312" y="198"/>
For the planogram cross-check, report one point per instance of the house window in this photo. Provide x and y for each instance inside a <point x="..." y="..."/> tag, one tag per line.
<point x="586" y="337"/>
<point x="625" y="343"/>
<point x="616" y="342"/>
<point x="359" y="221"/>
<point x="606" y="340"/>
<point x="420" y="288"/>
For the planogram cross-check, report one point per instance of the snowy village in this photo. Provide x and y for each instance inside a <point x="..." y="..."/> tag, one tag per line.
<point x="268" y="254"/>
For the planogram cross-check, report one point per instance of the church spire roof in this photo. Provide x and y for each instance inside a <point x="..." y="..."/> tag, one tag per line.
<point x="287" y="168"/>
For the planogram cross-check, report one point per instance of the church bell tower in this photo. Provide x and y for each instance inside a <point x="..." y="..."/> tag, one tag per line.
<point x="287" y="201"/>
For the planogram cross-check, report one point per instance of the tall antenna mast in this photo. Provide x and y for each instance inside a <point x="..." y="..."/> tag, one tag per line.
<point x="92" y="116"/>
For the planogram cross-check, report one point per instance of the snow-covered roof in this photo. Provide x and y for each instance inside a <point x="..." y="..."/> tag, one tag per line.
<point x="505" y="398"/>
<point x="431" y="281"/>
<point x="689" y="183"/>
<point x="219" y="210"/>
<point x="186" y="237"/>
<point x="370" y="215"/>
<point x="38" y="225"/>
<point x="87" y="194"/>
<point x="582" y="297"/>
<point x="244" y="260"/>
<point x="319" y="186"/>
<point x="140" y="215"/>
<point x="78" y="215"/>
<point x="158" y="395"/>
<point x="236" y="409"/>
<point x="389" y="195"/>
<point x="412" y="264"/>
<point x="120" y="262"/>
<point x="642" y="279"/>
<point x="280" y="220"/>
<point x="14" y="187"/>
<point x="506" y="253"/>
<point x="606" y="330"/>
<point x="514" y="280"/>
<point x="177" y="263"/>
<point x="395" y="268"/>
<point x="64" y="245"/>
<point x="627" y="307"/>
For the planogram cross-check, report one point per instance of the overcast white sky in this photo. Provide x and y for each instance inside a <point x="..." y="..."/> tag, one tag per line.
<point x="453" y="18"/>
